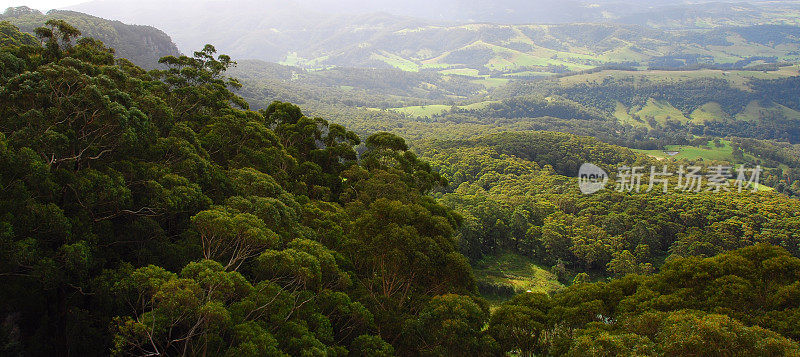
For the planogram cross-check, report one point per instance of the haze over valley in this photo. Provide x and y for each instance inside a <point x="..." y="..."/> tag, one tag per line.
<point x="413" y="178"/>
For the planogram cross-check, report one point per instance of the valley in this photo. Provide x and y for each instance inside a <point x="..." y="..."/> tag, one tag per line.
<point x="311" y="177"/>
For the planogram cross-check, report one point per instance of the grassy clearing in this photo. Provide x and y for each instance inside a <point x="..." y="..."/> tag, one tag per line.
<point x="423" y="110"/>
<point x="707" y="152"/>
<point x="527" y="74"/>
<point x="490" y="82"/>
<point x="763" y="188"/>
<point x="469" y="72"/>
<point x="396" y="61"/>
<point x="434" y="109"/>
<point x="478" y="105"/>
<point x="624" y="118"/>
<point x="709" y="112"/>
<point x="515" y="271"/>
<point x="623" y="54"/>
<point x="661" y="111"/>
<point x="738" y="79"/>
<point x="293" y="59"/>
<point x="755" y="111"/>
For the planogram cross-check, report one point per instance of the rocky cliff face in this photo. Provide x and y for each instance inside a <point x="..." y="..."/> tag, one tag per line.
<point x="143" y="45"/>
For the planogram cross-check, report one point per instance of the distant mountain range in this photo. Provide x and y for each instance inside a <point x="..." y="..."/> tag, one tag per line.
<point x="143" y="45"/>
<point x="321" y="33"/>
<point x="443" y="35"/>
<point x="663" y="12"/>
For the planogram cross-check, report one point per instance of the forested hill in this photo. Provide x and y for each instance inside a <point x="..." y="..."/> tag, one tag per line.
<point x="142" y="45"/>
<point x="153" y="213"/>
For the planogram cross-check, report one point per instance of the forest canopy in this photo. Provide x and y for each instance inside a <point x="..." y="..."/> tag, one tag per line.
<point x="154" y="213"/>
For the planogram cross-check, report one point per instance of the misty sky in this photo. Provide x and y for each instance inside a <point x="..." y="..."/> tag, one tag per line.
<point x="43" y="5"/>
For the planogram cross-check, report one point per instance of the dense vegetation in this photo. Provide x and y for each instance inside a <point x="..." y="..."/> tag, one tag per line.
<point x="516" y="193"/>
<point x="732" y="304"/>
<point x="351" y="87"/>
<point x="782" y="159"/>
<point x="154" y="213"/>
<point x="637" y="109"/>
<point x="151" y="212"/>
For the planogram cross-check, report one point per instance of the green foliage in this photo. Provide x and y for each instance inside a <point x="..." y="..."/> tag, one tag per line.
<point x="510" y="199"/>
<point x="147" y="213"/>
<point x="500" y="276"/>
<point x="10" y="35"/>
<point x="780" y="158"/>
<point x="670" y="105"/>
<point x="153" y="213"/>
<point x="713" y="306"/>
<point x="520" y="323"/>
<point x="534" y="107"/>
<point x="452" y="325"/>
<point x="367" y="345"/>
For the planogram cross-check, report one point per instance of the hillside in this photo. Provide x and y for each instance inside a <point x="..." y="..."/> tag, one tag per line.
<point x="126" y="204"/>
<point x="640" y="108"/>
<point x="10" y="35"/>
<point x="433" y="206"/>
<point x="665" y="14"/>
<point x="358" y="87"/>
<point x="714" y="34"/>
<point x="689" y="111"/>
<point x="143" y="45"/>
<point x="531" y="50"/>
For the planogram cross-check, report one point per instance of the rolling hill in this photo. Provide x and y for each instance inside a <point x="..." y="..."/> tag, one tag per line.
<point x="143" y="45"/>
<point x="317" y="36"/>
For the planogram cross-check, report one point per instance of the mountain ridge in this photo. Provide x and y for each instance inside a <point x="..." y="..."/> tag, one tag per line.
<point x="295" y="34"/>
<point x="141" y="44"/>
